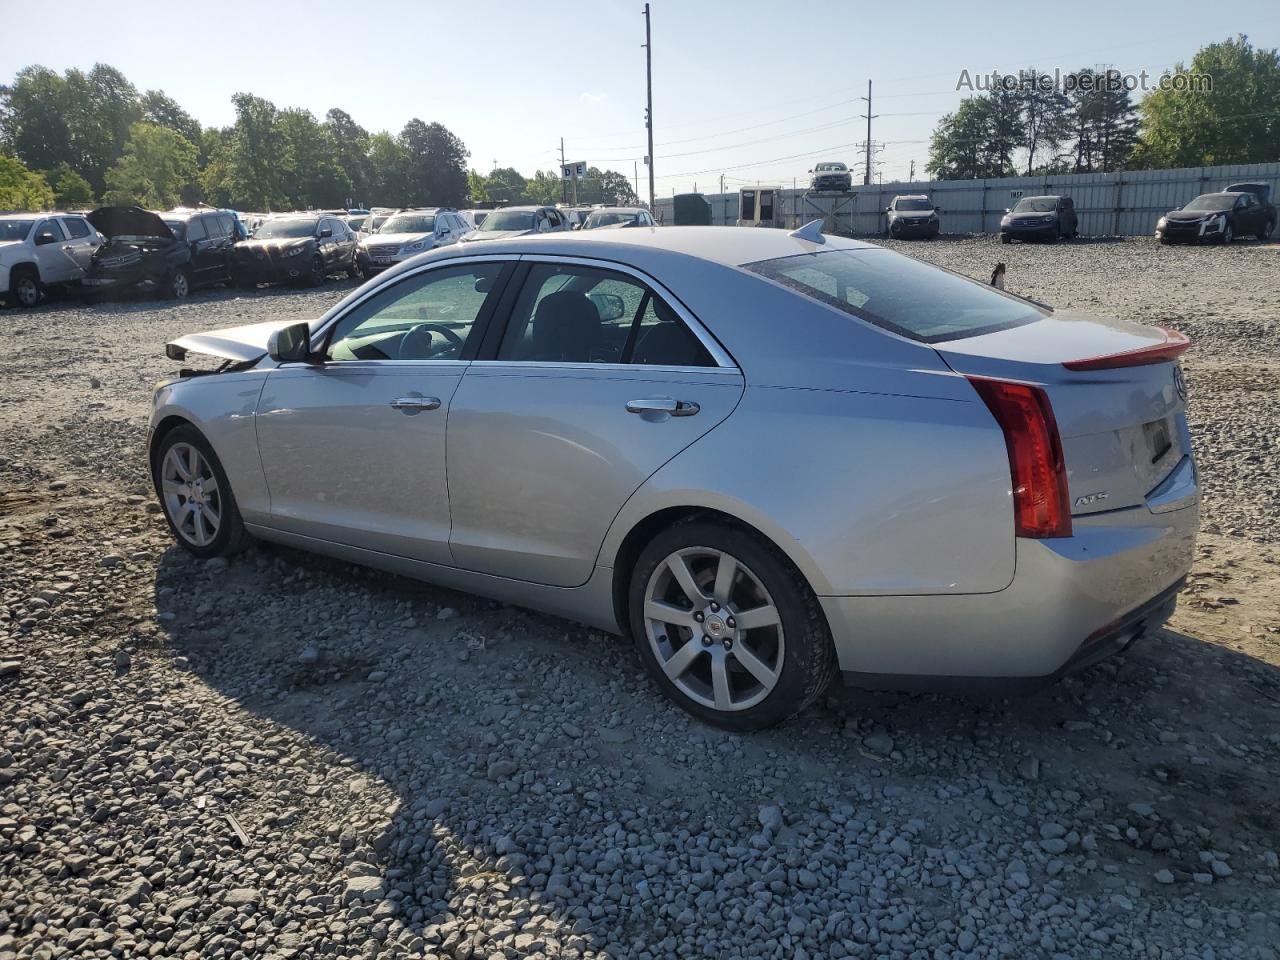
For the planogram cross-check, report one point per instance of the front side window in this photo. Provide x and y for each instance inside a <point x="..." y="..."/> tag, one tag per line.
<point x="900" y="294"/>
<point x="576" y="314"/>
<point x="429" y="316"/>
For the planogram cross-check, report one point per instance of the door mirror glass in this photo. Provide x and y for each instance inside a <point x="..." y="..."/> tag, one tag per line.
<point x="609" y="305"/>
<point x="45" y="236"/>
<point x="291" y="344"/>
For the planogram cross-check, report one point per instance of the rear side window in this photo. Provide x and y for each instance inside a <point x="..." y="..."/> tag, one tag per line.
<point x="195" y="229"/>
<point x="900" y="294"/>
<point x="76" y="227"/>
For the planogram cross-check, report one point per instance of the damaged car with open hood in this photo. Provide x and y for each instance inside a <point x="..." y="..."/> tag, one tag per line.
<point x="170" y="254"/>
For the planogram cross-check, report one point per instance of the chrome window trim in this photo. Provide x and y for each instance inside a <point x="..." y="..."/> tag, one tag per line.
<point x="483" y="365"/>
<point x="709" y="343"/>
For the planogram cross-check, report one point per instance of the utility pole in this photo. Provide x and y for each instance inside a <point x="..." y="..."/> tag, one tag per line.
<point x="722" y="184"/>
<point x="563" y="186"/>
<point x="911" y="177"/>
<point x="866" y="177"/>
<point x="648" y="110"/>
<point x="635" y="175"/>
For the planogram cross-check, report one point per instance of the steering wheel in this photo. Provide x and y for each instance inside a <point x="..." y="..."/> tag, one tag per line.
<point x="414" y="332"/>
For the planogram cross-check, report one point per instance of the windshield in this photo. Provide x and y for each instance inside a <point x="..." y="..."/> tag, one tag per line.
<point x="610" y="219"/>
<point x="179" y="228"/>
<point x="283" y="229"/>
<point x="830" y="168"/>
<point x="14" y="229"/>
<point x="1036" y="205"/>
<point x="1210" y="203"/>
<point x="355" y="223"/>
<point x="913" y="205"/>
<point x="415" y="223"/>
<point x="900" y="294"/>
<point x="509" y="220"/>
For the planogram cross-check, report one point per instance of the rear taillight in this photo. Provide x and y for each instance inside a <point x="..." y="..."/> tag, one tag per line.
<point x="1041" y="507"/>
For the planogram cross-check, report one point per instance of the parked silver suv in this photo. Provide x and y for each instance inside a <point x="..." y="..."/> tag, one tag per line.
<point x="43" y="250"/>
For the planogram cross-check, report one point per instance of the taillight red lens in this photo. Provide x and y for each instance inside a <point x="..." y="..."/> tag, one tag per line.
<point x="1041" y="506"/>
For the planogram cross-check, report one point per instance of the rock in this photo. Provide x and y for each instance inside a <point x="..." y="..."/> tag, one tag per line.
<point x="879" y="743"/>
<point x="123" y="660"/>
<point x="501" y="769"/>
<point x="111" y="560"/>
<point x="770" y="818"/>
<point x="309" y="654"/>
<point x="240" y="896"/>
<point x="1164" y="876"/>
<point x="377" y="676"/>
<point x="135" y="892"/>
<point x="446" y="613"/>
<point x="365" y="889"/>
<point x="1141" y="809"/>
<point x="10" y="668"/>
<point x="1028" y="769"/>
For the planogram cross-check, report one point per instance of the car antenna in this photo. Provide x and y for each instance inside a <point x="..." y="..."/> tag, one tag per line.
<point x="811" y="231"/>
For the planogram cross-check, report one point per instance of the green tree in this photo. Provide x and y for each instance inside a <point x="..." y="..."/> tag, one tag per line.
<point x="22" y="189"/>
<point x="257" y="157"/>
<point x="351" y="143"/>
<point x="70" y="190"/>
<point x="477" y="188"/>
<point x="36" y="122"/>
<point x="545" y="187"/>
<point x="101" y="108"/>
<point x="158" y="169"/>
<point x="1103" y="121"/>
<point x="1046" y="116"/>
<point x="215" y="147"/>
<point x="1236" y="121"/>
<point x="161" y="109"/>
<point x="390" y="165"/>
<point x="312" y="175"/>
<point x="977" y="141"/>
<point x="437" y="164"/>
<point x="505" y="185"/>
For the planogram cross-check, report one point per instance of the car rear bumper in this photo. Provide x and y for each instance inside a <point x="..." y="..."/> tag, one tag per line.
<point x="1072" y="601"/>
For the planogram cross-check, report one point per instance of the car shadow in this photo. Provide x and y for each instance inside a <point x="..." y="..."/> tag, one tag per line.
<point x="516" y="751"/>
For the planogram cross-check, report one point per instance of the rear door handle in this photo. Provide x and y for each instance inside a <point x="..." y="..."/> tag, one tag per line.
<point x="676" y="408"/>
<point x="413" y="405"/>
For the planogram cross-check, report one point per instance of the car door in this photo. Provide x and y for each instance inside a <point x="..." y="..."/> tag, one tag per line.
<point x="221" y="232"/>
<point x="55" y="256"/>
<point x="353" y="445"/>
<point x="81" y="241"/>
<point x="199" y="243"/>
<point x="599" y="379"/>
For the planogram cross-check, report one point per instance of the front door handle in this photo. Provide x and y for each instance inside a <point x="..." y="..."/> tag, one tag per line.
<point x="412" y="405"/>
<point x="675" y="408"/>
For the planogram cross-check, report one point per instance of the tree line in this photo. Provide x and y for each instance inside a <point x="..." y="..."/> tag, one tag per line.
<point x="1092" y="124"/>
<point x="74" y="139"/>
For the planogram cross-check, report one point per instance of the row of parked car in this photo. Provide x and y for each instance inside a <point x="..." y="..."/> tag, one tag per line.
<point x="1242" y="209"/>
<point x="117" y="249"/>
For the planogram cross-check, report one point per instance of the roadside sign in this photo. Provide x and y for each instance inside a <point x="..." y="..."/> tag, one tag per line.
<point x="573" y="171"/>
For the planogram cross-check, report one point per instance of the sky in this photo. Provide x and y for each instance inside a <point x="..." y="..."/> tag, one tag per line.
<point x="754" y="90"/>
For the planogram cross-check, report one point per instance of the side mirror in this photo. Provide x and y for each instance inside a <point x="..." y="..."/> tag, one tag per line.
<point x="291" y="344"/>
<point x="326" y="231"/>
<point x="44" y="237"/>
<point x="609" y="306"/>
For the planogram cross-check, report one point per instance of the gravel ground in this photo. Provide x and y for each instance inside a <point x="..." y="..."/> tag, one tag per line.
<point x="290" y="757"/>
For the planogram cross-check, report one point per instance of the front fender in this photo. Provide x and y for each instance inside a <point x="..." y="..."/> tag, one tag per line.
<point x="222" y="407"/>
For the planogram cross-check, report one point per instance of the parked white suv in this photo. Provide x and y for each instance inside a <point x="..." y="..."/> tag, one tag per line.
<point x="43" y="250"/>
<point x="407" y="233"/>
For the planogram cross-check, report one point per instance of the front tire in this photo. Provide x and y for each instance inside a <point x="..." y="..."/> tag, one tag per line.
<point x="1005" y="238"/>
<point x="1227" y="235"/>
<point x="177" y="286"/>
<point x="728" y="627"/>
<point x="196" y="496"/>
<point x="316" y="275"/>
<point x="25" y="288"/>
<point x="1265" y="235"/>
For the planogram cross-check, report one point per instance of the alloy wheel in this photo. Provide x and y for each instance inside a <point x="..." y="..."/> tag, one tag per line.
<point x="714" y="629"/>
<point x="191" y="495"/>
<point x="180" y="286"/>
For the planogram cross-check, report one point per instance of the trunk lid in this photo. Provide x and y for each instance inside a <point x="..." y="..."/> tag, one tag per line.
<point x="1123" y="428"/>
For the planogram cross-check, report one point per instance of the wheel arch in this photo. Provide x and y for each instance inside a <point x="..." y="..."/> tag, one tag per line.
<point x="643" y="531"/>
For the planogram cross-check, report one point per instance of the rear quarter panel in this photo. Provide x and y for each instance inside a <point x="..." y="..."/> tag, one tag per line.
<point x="868" y="494"/>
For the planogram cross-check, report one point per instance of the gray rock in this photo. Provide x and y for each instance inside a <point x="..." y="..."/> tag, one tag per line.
<point x="879" y="743"/>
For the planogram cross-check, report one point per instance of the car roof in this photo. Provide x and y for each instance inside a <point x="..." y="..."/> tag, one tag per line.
<point x="616" y="210"/>
<point x="28" y="215"/>
<point x="729" y="246"/>
<point x="912" y="196"/>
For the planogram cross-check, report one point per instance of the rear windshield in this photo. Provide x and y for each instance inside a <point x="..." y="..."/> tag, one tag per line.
<point x="899" y="294"/>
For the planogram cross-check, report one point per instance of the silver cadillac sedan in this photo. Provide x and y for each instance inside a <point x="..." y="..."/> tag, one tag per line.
<point x="765" y="456"/>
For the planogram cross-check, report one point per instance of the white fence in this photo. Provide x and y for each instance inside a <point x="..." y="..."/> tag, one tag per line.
<point x="1127" y="203"/>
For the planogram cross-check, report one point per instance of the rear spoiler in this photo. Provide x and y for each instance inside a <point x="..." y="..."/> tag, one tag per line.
<point x="1175" y="345"/>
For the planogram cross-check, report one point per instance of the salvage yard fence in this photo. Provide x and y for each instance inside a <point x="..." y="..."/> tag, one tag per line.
<point x="1126" y="203"/>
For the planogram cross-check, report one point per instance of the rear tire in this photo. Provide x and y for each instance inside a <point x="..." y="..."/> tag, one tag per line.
<point x="316" y="275"/>
<point x="353" y="270"/>
<point x="203" y="517"/>
<point x="744" y="675"/>
<point x="1265" y="235"/>
<point x="1005" y="238"/>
